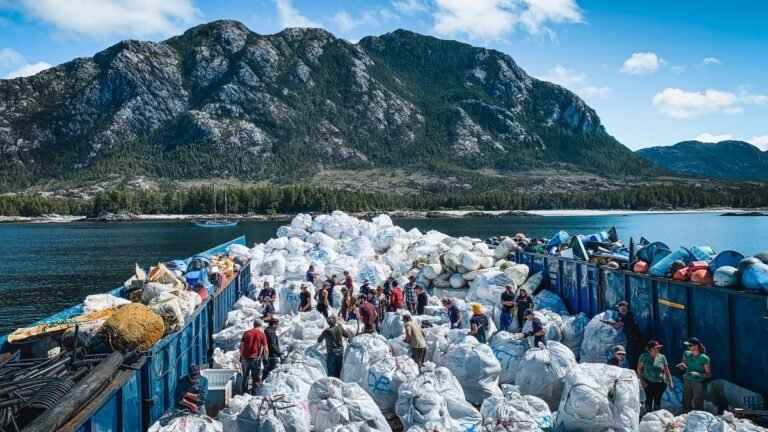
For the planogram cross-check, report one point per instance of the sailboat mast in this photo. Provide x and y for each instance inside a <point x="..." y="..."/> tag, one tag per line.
<point x="214" y="203"/>
<point x="226" y="210"/>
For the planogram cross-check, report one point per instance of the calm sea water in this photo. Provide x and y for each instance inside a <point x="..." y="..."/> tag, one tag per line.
<point x="45" y="268"/>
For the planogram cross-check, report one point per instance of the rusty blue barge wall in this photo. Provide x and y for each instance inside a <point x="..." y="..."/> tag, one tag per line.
<point x="733" y="325"/>
<point x="139" y="396"/>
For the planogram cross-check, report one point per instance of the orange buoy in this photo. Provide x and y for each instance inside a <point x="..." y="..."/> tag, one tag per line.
<point x="702" y="276"/>
<point x="640" y="267"/>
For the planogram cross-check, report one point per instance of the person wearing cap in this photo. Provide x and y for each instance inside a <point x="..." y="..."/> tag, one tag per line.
<point x="626" y="321"/>
<point x="396" y="300"/>
<point x="619" y="353"/>
<point x="253" y="351"/>
<point x="334" y="344"/>
<point x="454" y="313"/>
<point x="698" y="370"/>
<point x="191" y="391"/>
<point x="414" y="337"/>
<point x="523" y="302"/>
<point x="537" y="329"/>
<point x="365" y="288"/>
<point x="421" y="300"/>
<point x="507" y="307"/>
<point x="273" y="346"/>
<point x="478" y="323"/>
<point x="305" y="299"/>
<point x="652" y="369"/>
<point x="267" y="294"/>
<point x="410" y="294"/>
<point x="368" y="314"/>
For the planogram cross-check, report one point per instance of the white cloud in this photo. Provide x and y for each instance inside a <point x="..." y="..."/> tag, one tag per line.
<point x="678" y="103"/>
<point x="346" y="22"/>
<point x="678" y="69"/>
<point x="760" y="142"/>
<point x="642" y="63"/>
<point x="291" y="17"/>
<point x="711" y="61"/>
<point x="492" y="19"/>
<point x="594" y="92"/>
<point x="410" y="7"/>
<point x="575" y="81"/>
<point x="564" y="76"/>
<point x="104" y="18"/>
<point x="10" y="58"/>
<point x="28" y="70"/>
<point x="709" y="138"/>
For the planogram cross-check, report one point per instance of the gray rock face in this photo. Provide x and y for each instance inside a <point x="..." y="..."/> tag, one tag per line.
<point x="300" y="93"/>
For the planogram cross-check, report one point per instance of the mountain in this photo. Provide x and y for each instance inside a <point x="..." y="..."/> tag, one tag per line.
<point x="735" y="160"/>
<point x="220" y="101"/>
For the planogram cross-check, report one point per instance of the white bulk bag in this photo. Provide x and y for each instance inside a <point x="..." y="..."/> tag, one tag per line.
<point x="599" y="397"/>
<point x="274" y="414"/>
<point x="457" y="281"/>
<point x="420" y="403"/>
<point x="546" y="299"/>
<point x="475" y="366"/>
<point x="573" y="332"/>
<point x="100" y="302"/>
<point x="518" y="273"/>
<point x="470" y="261"/>
<point x="600" y="338"/>
<point x="515" y="412"/>
<point x="504" y="248"/>
<point x="392" y="325"/>
<point x="385" y="376"/>
<point x="273" y="264"/>
<point x="362" y="350"/>
<point x="509" y="349"/>
<point x="333" y="402"/>
<point x="301" y="221"/>
<point x="542" y="372"/>
<point x="189" y="423"/>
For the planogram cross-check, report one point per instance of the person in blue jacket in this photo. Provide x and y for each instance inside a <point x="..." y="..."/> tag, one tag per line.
<point x="191" y="391"/>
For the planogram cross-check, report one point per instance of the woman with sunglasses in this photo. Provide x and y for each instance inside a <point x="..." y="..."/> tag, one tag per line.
<point x="652" y="368"/>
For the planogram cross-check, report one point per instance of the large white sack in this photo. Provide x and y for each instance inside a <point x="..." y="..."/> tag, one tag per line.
<point x="333" y="402"/>
<point x="301" y="221"/>
<point x="189" y="301"/>
<point x="288" y="232"/>
<point x="546" y="299"/>
<point x="543" y="370"/>
<point x="658" y="421"/>
<point x="515" y="412"/>
<point x="551" y="322"/>
<point x="323" y="241"/>
<point x="360" y="247"/>
<point x="573" y="332"/>
<point x="504" y="248"/>
<point x="293" y="377"/>
<point x="229" y="338"/>
<point x="290" y="297"/>
<point x="274" y="414"/>
<point x="446" y="339"/>
<point x="599" y="397"/>
<point x="275" y="244"/>
<point x="237" y="249"/>
<point x="420" y="404"/>
<point x="509" y="349"/>
<point x="309" y="325"/>
<point x="226" y="360"/>
<point x="362" y="350"/>
<point x="168" y="307"/>
<point x="376" y="273"/>
<point x="392" y="325"/>
<point x="518" y="273"/>
<point x="273" y="264"/>
<point x="153" y="289"/>
<point x="457" y="281"/>
<point x="452" y="258"/>
<point x="470" y="261"/>
<point x="100" y="302"/>
<point x="600" y="338"/>
<point x="431" y="271"/>
<point x="386" y="237"/>
<point x="385" y="376"/>
<point x="228" y="416"/>
<point x="461" y="412"/>
<point x="382" y="221"/>
<point x="475" y="366"/>
<point x="296" y="267"/>
<point x="189" y="423"/>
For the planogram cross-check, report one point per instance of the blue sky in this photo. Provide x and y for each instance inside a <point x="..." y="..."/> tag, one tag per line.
<point x="657" y="72"/>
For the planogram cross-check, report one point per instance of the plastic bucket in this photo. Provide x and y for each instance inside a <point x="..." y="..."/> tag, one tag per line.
<point x="725" y="258"/>
<point x="662" y="267"/>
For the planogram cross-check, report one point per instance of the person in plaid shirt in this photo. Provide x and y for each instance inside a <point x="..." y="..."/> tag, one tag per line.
<point x="410" y="294"/>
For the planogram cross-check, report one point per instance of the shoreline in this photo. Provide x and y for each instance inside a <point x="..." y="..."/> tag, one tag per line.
<point x="405" y="214"/>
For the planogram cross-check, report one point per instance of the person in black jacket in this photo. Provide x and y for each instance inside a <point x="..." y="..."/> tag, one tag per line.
<point x="421" y="300"/>
<point x="273" y="344"/>
<point x="626" y="321"/>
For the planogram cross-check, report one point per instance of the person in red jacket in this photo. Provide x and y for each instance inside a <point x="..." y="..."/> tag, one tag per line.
<point x="253" y="352"/>
<point x="396" y="301"/>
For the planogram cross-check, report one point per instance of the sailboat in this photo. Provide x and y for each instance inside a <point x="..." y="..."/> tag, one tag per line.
<point x="215" y="223"/>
